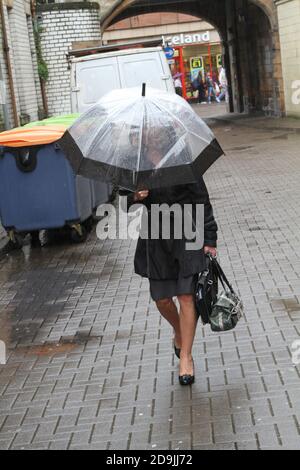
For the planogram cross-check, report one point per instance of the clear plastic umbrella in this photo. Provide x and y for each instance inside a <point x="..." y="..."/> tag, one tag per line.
<point x="141" y="140"/>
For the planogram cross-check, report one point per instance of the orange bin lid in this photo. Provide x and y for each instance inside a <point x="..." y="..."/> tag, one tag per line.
<point x="28" y="136"/>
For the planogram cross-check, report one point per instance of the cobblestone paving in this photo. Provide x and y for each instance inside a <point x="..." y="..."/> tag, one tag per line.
<point x="2" y="232"/>
<point x="90" y="361"/>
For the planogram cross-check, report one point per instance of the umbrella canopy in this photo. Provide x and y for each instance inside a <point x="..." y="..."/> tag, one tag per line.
<point x="141" y="140"/>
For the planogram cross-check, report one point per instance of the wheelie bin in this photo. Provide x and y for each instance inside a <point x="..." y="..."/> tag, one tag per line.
<point x="101" y="192"/>
<point x="38" y="188"/>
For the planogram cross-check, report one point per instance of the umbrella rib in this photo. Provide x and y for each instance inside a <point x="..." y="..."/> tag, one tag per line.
<point x="162" y="162"/>
<point x="140" y="142"/>
<point x="161" y="106"/>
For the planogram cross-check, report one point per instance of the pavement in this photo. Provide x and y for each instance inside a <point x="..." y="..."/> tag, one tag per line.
<point x="90" y="362"/>
<point x="3" y="240"/>
<point x="2" y="232"/>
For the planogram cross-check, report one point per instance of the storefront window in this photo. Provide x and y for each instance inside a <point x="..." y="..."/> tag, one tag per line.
<point x="190" y="61"/>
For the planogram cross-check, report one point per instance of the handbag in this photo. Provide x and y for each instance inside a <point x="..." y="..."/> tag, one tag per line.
<point x="228" y="308"/>
<point x="206" y="290"/>
<point x="222" y="311"/>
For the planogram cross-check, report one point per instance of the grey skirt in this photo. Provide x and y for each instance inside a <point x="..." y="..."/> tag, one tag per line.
<point x="169" y="288"/>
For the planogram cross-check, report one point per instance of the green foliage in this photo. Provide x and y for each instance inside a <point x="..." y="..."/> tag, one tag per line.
<point x="42" y="66"/>
<point x="43" y="70"/>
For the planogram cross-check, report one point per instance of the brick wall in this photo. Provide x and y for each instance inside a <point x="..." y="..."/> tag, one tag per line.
<point x="153" y="19"/>
<point x="151" y="32"/>
<point x="23" y="61"/>
<point x="22" y="56"/>
<point x="63" y="24"/>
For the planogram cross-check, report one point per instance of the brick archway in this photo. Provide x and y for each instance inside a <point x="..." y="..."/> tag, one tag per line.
<point x="112" y="9"/>
<point x="249" y="31"/>
<point x="126" y="8"/>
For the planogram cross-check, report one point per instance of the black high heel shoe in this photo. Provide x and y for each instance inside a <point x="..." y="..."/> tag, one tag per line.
<point x="187" y="379"/>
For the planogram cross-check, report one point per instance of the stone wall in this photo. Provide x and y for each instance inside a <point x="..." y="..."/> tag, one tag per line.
<point x="259" y="61"/>
<point x="63" y="24"/>
<point x="289" y="29"/>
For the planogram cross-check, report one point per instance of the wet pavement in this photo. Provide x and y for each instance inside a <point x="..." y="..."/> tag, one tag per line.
<point x="2" y="232"/>
<point x="90" y="362"/>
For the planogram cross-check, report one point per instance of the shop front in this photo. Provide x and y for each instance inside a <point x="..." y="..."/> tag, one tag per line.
<point x="191" y="54"/>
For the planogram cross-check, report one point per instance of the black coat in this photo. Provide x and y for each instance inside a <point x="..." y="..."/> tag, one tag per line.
<point x="169" y="259"/>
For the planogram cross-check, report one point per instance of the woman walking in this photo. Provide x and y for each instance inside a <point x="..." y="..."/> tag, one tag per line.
<point x="153" y="140"/>
<point x="173" y="270"/>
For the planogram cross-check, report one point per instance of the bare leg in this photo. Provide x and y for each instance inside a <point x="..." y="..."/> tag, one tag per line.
<point x="188" y="323"/>
<point x="168" y="310"/>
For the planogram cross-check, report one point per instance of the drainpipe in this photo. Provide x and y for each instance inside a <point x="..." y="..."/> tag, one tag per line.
<point x="42" y="82"/>
<point x="9" y="66"/>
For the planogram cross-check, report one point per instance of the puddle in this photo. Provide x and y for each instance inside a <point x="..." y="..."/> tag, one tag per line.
<point x="291" y="305"/>
<point x="256" y="229"/>
<point x="280" y="137"/>
<point x="235" y="149"/>
<point x="47" y="349"/>
<point x="65" y="345"/>
<point x="269" y="229"/>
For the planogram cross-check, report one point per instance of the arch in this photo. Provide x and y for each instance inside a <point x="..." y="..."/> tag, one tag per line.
<point x="119" y="7"/>
<point x="253" y="60"/>
<point x="126" y="8"/>
<point x="180" y="9"/>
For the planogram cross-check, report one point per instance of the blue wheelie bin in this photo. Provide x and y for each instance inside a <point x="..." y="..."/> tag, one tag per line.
<point x="39" y="190"/>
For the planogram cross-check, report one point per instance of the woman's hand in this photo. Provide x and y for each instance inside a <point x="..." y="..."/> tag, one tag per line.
<point x="210" y="250"/>
<point x="140" y="195"/>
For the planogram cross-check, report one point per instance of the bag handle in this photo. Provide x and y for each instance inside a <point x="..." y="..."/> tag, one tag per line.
<point x="221" y="274"/>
